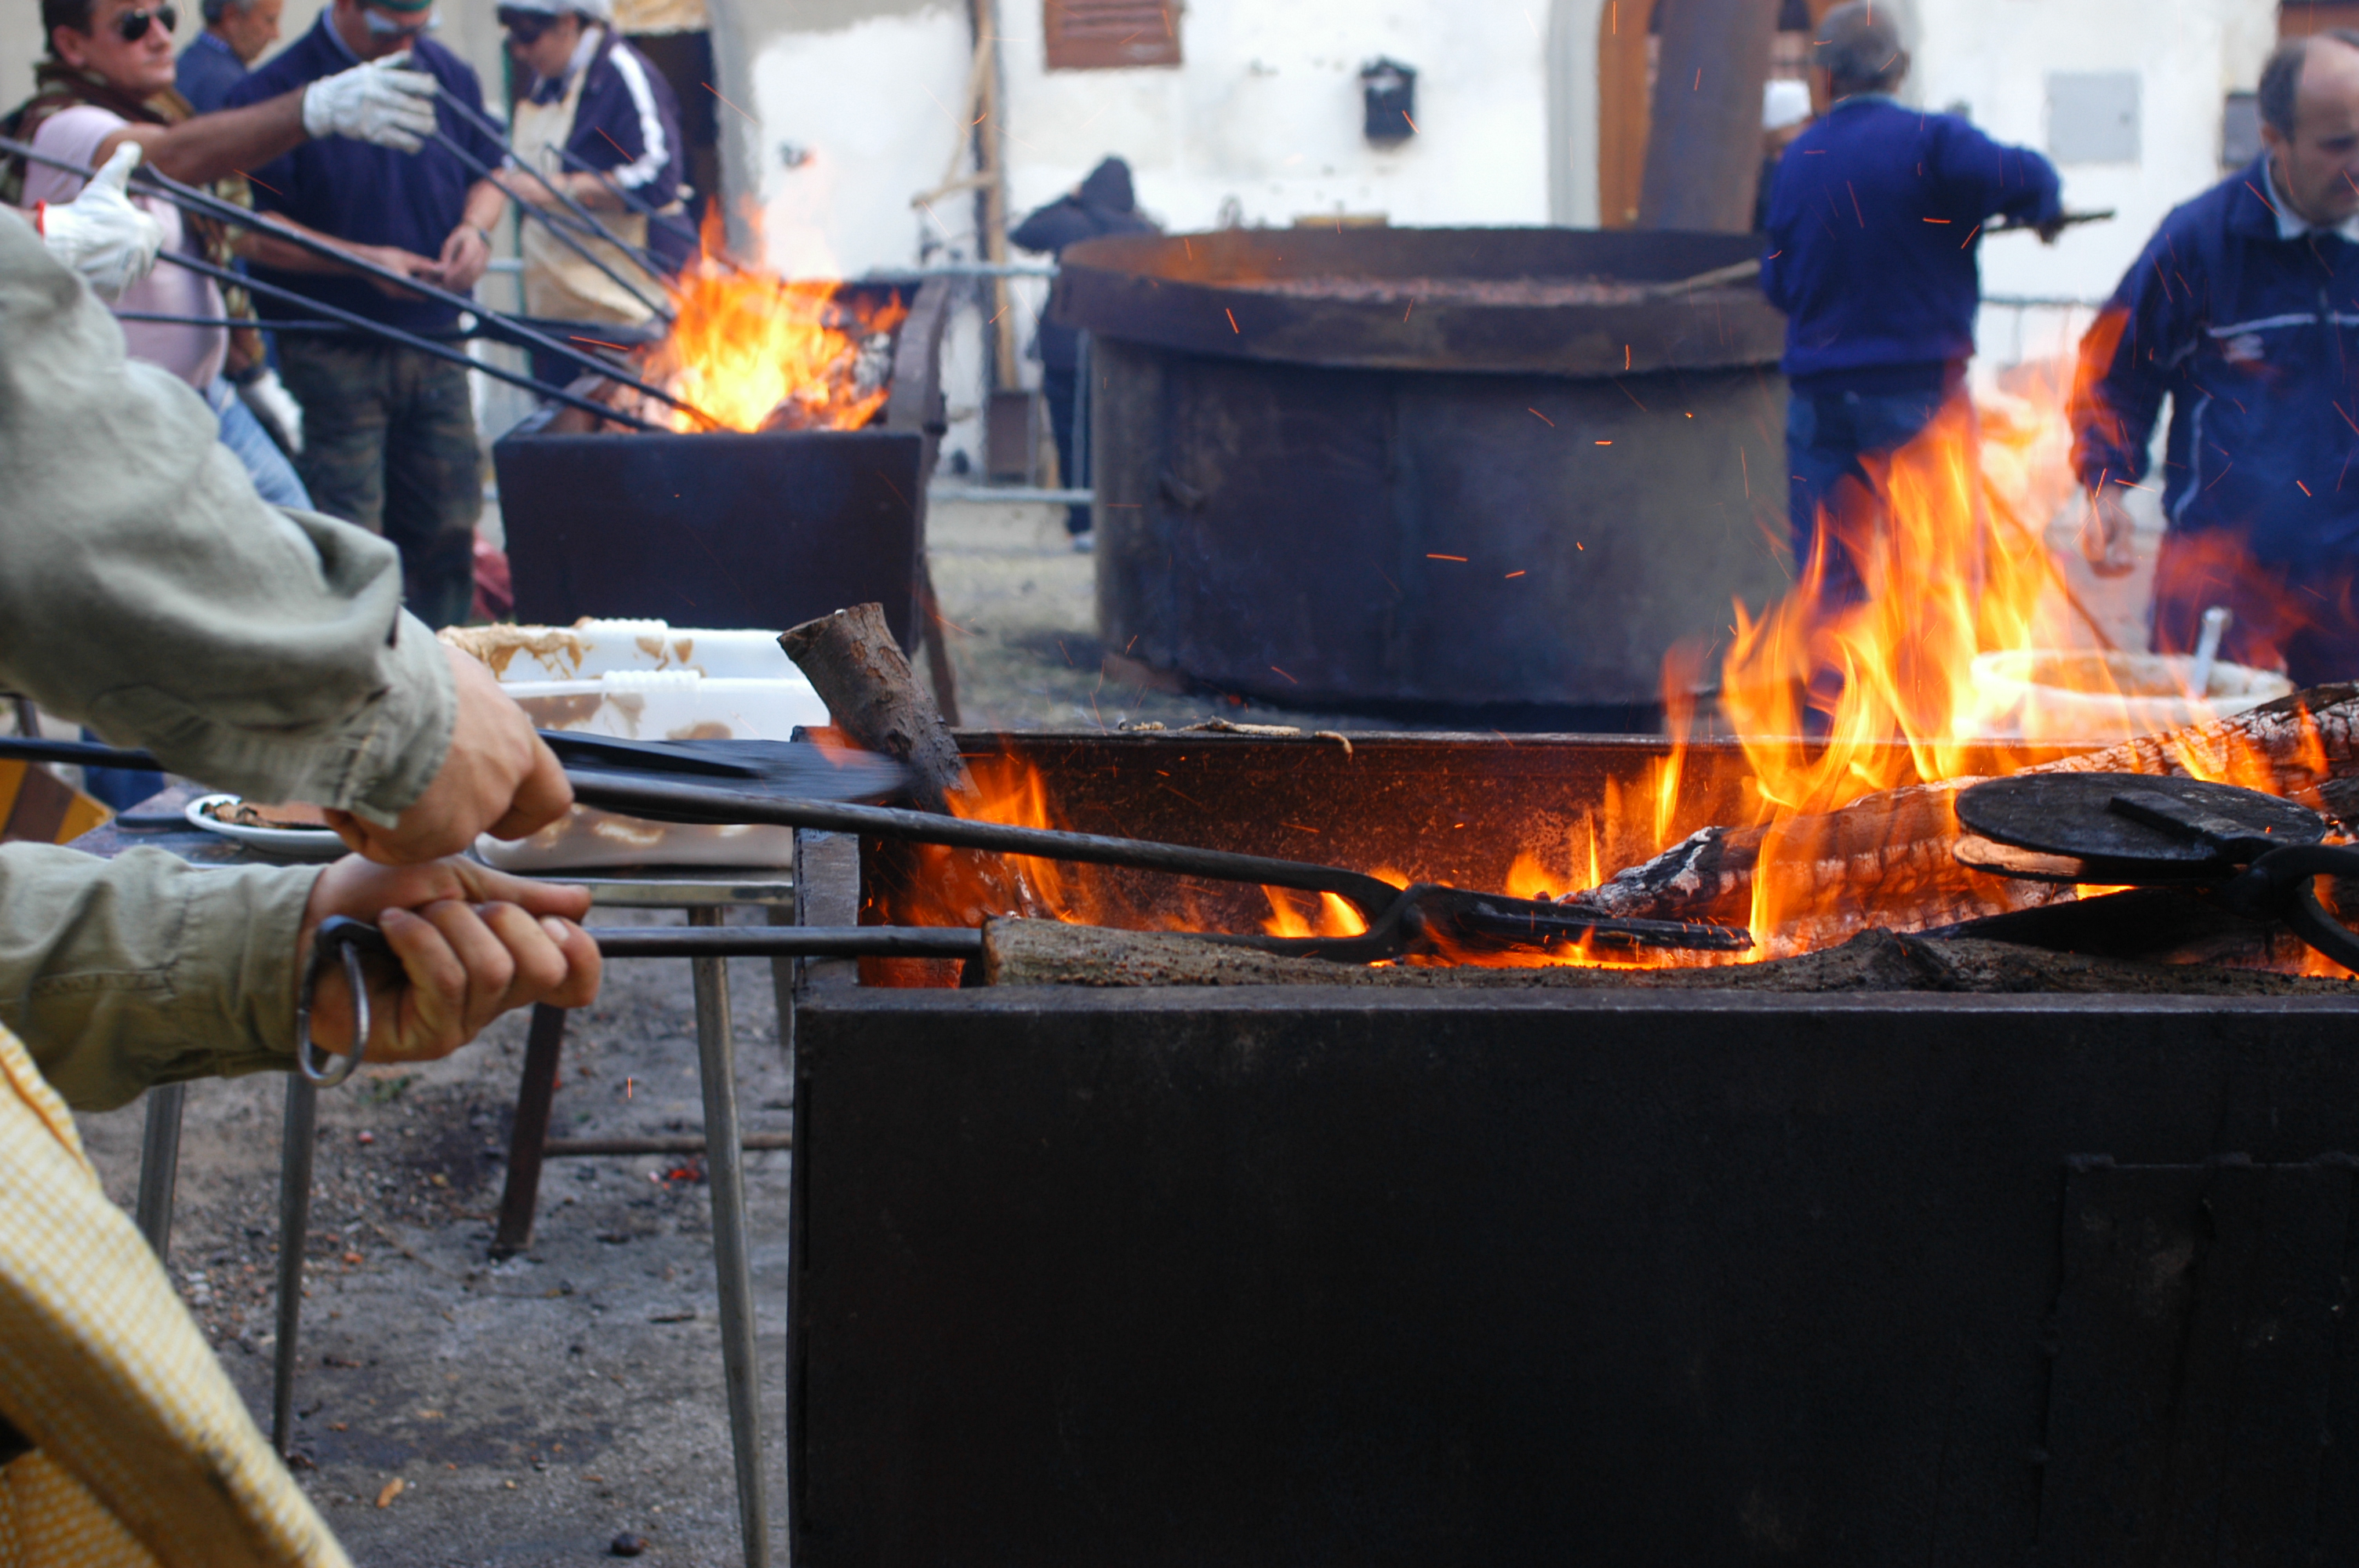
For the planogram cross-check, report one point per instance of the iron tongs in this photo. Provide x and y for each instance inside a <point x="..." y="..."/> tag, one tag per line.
<point x="2256" y="855"/>
<point x="1424" y="918"/>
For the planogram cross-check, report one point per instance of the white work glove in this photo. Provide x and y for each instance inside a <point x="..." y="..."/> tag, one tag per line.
<point x="378" y="101"/>
<point x="100" y="233"/>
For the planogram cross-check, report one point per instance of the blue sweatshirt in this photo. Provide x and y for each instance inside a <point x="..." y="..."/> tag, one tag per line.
<point x="1875" y="223"/>
<point x="371" y="195"/>
<point x="2255" y="337"/>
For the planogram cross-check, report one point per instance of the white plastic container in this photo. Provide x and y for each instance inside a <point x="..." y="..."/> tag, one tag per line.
<point x="646" y="681"/>
<point x="2071" y="694"/>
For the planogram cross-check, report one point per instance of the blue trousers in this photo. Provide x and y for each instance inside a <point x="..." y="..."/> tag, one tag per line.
<point x="243" y="434"/>
<point x="1826" y="436"/>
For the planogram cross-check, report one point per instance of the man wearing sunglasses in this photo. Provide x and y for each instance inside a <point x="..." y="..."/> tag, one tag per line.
<point x="389" y="433"/>
<point x="108" y="82"/>
<point x="596" y="121"/>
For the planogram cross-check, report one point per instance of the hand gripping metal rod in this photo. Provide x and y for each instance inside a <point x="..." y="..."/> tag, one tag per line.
<point x="551" y="221"/>
<point x="639" y="204"/>
<point x="189" y="198"/>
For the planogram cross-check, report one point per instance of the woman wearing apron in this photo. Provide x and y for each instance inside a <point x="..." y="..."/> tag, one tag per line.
<point x="598" y="100"/>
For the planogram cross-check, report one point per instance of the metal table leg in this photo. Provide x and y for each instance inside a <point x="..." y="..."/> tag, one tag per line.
<point x="725" y="1171"/>
<point x="544" y="1043"/>
<point x="160" y="1165"/>
<point x="295" y="1150"/>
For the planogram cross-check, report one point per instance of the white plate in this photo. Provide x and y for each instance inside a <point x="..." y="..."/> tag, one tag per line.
<point x="294" y="843"/>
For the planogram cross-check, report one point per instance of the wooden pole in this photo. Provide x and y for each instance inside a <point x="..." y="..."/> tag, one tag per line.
<point x="1703" y="143"/>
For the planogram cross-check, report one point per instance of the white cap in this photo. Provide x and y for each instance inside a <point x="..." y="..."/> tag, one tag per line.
<point x="1783" y="101"/>
<point x="596" y="10"/>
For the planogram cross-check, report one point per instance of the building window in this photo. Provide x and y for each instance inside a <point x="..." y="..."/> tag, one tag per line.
<point x="1099" y="34"/>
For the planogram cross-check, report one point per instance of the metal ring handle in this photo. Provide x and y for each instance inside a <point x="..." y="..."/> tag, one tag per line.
<point x="338" y="937"/>
<point x="2290" y="876"/>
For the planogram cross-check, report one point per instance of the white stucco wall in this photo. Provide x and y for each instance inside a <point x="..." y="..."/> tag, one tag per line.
<point x="1269" y="111"/>
<point x="871" y="108"/>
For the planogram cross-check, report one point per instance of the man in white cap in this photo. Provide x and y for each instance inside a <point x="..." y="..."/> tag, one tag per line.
<point x="597" y="123"/>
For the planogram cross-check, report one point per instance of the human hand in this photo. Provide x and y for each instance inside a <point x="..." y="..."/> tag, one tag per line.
<point x="393" y="258"/>
<point x="378" y="101"/>
<point x="2051" y="229"/>
<point x="2107" y="535"/>
<point x="100" y="234"/>
<point x="472" y="943"/>
<point x="465" y="255"/>
<point x="498" y="777"/>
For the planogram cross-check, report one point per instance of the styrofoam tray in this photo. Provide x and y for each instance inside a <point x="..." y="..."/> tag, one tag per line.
<point x="589" y="649"/>
<point x="658" y="705"/>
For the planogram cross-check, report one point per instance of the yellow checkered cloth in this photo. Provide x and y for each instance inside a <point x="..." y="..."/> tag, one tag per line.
<point x="145" y="1452"/>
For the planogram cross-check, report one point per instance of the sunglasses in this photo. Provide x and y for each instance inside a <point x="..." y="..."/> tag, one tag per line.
<point x="131" y="25"/>
<point x="384" y="26"/>
<point x="525" y="26"/>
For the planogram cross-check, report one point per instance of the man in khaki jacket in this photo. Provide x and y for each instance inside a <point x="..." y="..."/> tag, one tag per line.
<point x="146" y="590"/>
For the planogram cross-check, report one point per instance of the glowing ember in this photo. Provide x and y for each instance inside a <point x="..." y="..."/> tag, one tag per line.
<point x="760" y="353"/>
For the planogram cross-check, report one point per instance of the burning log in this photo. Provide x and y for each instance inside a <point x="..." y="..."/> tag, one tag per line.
<point x="1051" y="952"/>
<point x="1887" y="857"/>
<point x="859" y="671"/>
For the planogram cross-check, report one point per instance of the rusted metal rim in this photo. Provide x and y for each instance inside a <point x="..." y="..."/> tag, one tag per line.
<point x="1191" y="293"/>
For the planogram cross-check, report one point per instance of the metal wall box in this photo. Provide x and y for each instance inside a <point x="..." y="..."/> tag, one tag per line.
<point x="2093" y="116"/>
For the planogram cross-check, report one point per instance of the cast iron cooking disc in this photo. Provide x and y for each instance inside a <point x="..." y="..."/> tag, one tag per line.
<point x="2073" y="813"/>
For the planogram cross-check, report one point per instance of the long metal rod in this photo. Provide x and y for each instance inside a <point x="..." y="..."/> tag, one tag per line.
<point x="297" y="1139"/>
<point x="691" y="802"/>
<point x="724" y="1158"/>
<point x="551" y="221"/>
<point x="160" y="1165"/>
<point x="189" y="198"/>
<point x="665" y="802"/>
<point x="411" y="340"/>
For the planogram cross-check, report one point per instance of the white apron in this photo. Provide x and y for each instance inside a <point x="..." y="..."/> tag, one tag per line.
<point x="558" y="283"/>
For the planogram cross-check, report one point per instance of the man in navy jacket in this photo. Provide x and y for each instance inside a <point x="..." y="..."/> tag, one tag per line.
<point x="2244" y="308"/>
<point x="1874" y="225"/>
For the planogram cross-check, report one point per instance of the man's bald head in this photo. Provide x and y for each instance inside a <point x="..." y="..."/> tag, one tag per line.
<point x="2310" y="122"/>
<point x="1858" y="47"/>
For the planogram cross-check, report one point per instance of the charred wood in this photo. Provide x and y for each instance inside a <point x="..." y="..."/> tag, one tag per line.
<point x="1888" y="858"/>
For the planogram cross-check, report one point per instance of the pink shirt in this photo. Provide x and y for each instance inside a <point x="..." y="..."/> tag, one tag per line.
<point x="192" y="353"/>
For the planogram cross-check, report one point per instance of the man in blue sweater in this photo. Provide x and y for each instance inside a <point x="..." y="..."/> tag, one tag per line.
<point x="389" y="433"/>
<point x="1874" y="225"/>
<point x="2244" y="308"/>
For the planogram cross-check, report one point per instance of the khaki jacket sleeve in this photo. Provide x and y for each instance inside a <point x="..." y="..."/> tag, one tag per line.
<point x="144" y="969"/>
<point x="146" y="590"/>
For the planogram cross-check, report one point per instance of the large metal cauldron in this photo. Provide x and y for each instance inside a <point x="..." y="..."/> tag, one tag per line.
<point x="1315" y="1276"/>
<point x="1277" y="475"/>
<point x="729" y="529"/>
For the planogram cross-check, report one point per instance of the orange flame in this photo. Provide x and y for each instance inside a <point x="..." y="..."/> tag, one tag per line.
<point x="762" y="352"/>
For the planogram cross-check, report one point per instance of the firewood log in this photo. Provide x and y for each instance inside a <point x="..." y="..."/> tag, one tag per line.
<point x="1885" y="859"/>
<point x="860" y="672"/>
